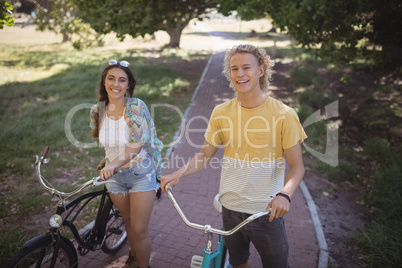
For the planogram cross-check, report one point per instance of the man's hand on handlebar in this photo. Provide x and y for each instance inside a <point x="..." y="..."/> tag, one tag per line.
<point x="170" y="180"/>
<point x="279" y="207"/>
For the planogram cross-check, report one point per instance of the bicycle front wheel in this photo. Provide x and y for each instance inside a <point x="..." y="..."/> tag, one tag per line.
<point x="115" y="230"/>
<point x="40" y="251"/>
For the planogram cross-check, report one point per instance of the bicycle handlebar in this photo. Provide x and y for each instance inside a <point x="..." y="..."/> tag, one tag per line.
<point x="48" y="187"/>
<point x="45" y="151"/>
<point x="208" y="228"/>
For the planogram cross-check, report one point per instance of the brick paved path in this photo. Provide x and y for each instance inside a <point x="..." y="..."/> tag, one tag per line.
<point x="173" y="243"/>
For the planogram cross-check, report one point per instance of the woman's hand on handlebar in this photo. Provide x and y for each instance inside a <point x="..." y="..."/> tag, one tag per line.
<point x="107" y="172"/>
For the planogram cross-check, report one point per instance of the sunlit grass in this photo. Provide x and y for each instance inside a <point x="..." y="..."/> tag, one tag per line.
<point x="18" y="64"/>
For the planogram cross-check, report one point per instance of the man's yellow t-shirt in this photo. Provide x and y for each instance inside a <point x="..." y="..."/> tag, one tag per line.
<point x="253" y="166"/>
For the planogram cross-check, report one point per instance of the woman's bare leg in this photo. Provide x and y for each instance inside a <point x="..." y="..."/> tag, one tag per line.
<point x="122" y="203"/>
<point x="141" y="205"/>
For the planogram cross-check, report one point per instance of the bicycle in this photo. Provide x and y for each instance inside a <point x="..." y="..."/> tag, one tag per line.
<point x="220" y="258"/>
<point x="52" y="249"/>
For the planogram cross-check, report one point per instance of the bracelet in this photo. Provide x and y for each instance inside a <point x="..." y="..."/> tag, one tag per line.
<point x="284" y="195"/>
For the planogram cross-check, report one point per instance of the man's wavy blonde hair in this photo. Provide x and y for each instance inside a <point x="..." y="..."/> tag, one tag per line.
<point x="262" y="57"/>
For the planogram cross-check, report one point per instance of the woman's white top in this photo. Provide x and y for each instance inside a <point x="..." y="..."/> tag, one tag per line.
<point x="114" y="136"/>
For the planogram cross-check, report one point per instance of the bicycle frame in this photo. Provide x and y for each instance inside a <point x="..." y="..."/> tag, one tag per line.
<point x="72" y="207"/>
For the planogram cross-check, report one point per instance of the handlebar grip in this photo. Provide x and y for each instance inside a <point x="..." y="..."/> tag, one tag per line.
<point x="45" y="151"/>
<point x="168" y="187"/>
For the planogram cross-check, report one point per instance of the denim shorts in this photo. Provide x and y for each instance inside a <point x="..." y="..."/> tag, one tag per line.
<point x="140" y="177"/>
<point x="269" y="238"/>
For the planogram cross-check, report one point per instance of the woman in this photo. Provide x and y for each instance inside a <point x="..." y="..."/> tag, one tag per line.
<point x="133" y="155"/>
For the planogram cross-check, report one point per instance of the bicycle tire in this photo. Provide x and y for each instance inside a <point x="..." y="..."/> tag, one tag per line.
<point x="114" y="229"/>
<point x="38" y="253"/>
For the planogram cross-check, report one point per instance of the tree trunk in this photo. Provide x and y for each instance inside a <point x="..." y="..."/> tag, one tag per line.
<point x="175" y="34"/>
<point x="65" y="37"/>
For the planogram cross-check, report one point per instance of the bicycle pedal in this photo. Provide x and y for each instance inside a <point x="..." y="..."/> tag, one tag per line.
<point x="82" y="251"/>
<point x="196" y="261"/>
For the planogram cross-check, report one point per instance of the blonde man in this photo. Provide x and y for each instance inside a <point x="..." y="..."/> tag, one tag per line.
<point x="257" y="133"/>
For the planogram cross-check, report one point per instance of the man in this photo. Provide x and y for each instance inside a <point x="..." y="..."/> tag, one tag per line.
<point x="257" y="133"/>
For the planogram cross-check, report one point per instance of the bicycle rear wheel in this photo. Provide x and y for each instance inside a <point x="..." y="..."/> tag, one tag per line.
<point x="39" y="253"/>
<point x="115" y="230"/>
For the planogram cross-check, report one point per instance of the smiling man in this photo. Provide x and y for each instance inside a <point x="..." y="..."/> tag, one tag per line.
<point x="257" y="133"/>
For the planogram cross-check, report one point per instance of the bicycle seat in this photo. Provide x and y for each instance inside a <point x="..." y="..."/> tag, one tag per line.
<point x="217" y="204"/>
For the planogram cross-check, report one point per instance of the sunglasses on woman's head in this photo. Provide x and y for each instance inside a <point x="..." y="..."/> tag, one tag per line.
<point x="121" y="63"/>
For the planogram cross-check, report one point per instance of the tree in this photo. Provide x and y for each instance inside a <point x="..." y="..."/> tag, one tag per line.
<point x="342" y="30"/>
<point x="60" y="18"/>
<point x="246" y="10"/>
<point x="141" y="17"/>
<point x="5" y="14"/>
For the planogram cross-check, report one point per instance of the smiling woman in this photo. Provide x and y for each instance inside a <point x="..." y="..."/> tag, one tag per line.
<point x="133" y="154"/>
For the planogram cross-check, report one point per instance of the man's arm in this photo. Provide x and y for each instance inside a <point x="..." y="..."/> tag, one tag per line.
<point x="196" y="164"/>
<point x="280" y="205"/>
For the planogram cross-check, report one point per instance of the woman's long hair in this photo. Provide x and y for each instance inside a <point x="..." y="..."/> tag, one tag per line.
<point x="102" y="93"/>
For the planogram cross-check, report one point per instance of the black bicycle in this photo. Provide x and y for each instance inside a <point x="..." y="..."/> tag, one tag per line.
<point x="53" y="249"/>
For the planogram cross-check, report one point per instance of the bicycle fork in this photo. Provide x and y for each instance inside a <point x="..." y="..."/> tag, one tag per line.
<point x="56" y="240"/>
<point x="208" y="257"/>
